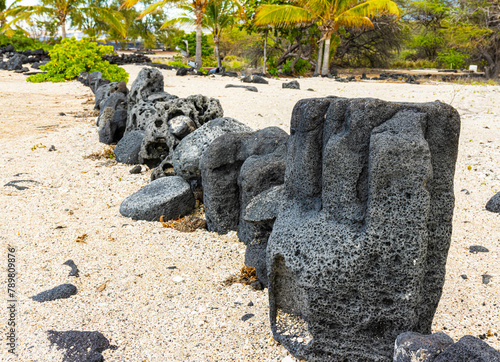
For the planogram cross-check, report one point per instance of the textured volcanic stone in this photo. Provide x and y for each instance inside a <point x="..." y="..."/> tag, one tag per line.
<point x="291" y="85"/>
<point x="181" y="126"/>
<point x="254" y="79"/>
<point x="220" y="169"/>
<point x="62" y="291"/>
<point x="16" y="62"/>
<point x="114" y="127"/>
<point x="247" y="87"/>
<point x="493" y="204"/>
<point x="188" y="154"/>
<point x="116" y="100"/>
<point x="164" y="169"/>
<point x="416" y="347"/>
<point x="148" y="81"/>
<point x="127" y="149"/>
<point x="105" y="90"/>
<point x="157" y="144"/>
<point x="469" y="349"/>
<point x="168" y="196"/>
<point x="140" y="115"/>
<point x="81" y="346"/>
<point x="358" y="251"/>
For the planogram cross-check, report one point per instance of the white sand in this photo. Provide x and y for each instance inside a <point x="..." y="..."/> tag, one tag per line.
<point x="143" y="311"/>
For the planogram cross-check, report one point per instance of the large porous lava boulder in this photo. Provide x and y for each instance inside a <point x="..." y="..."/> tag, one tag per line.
<point x="220" y="169"/>
<point x="112" y="119"/>
<point x="105" y="90"/>
<point x="172" y="121"/>
<point x="188" y="154"/>
<point x="416" y="347"/>
<point x="471" y="349"/>
<point x="16" y="62"/>
<point x="358" y="251"/>
<point x="493" y="204"/>
<point x="148" y="81"/>
<point x="170" y="197"/>
<point x="128" y="148"/>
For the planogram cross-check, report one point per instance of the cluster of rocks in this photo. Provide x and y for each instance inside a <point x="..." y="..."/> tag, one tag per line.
<point x="347" y="220"/>
<point x="16" y="59"/>
<point x="126" y="59"/>
<point x="439" y="347"/>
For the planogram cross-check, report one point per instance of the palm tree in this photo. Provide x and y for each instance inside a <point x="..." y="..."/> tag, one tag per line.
<point x="330" y="15"/>
<point x="62" y="10"/>
<point x="219" y="15"/>
<point x="197" y="7"/>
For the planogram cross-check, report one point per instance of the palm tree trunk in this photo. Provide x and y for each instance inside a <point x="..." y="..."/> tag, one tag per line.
<point x="217" y="53"/>
<point x="197" y="58"/>
<point x="326" y="56"/>
<point x="318" y="62"/>
<point x="63" y="29"/>
<point x="264" y="61"/>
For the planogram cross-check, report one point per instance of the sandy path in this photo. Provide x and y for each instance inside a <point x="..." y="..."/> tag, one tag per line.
<point x="143" y="311"/>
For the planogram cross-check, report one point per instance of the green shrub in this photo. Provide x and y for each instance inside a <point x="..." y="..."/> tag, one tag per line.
<point x="21" y="42"/>
<point x="71" y="57"/>
<point x="209" y="61"/>
<point x="206" y="49"/>
<point x="452" y="58"/>
<point x="177" y="63"/>
<point x="301" y="66"/>
<point x="234" y="63"/>
<point x="410" y="64"/>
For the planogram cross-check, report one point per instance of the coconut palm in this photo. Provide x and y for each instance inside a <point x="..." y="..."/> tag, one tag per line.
<point x="330" y="16"/>
<point x="197" y="7"/>
<point x="63" y="10"/>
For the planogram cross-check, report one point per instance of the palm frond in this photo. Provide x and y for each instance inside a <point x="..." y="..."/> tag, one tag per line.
<point x="282" y="15"/>
<point x="127" y="4"/>
<point x="153" y="7"/>
<point x="371" y="8"/>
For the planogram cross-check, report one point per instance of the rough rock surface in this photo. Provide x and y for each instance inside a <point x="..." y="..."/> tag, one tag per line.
<point x="62" y="291"/>
<point x="416" y="347"/>
<point x="127" y="149"/>
<point x="80" y="346"/>
<point x="113" y="127"/>
<point x="358" y="250"/>
<point x="220" y="169"/>
<point x="470" y="349"/>
<point x="188" y="154"/>
<point x="148" y="81"/>
<point x="291" y="85"/>
<point x="105" y="90"/>
<point x="493" y="204"/>
<point x="168" y="196"/>
<point x="157" y="144"/>
<point x="164" y="169"/>
<point x="254" y="79"/>
<point x="247" y="87"/>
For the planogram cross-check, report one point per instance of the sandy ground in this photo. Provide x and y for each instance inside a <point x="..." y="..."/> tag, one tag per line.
<point x="145" y="310"/>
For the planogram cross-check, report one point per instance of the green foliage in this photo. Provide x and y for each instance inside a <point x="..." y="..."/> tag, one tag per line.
<point x="452" y="58"/>
<point x="209" y="61"/>
<point x="177" y="63"/>
<point x="71" y="57"/>
<point x="414" y="64"/>
<point x="301" y="66"/>
<point x="206" y="49"/>
<point x="21" y="42"/>
<point x="234" y="63"/>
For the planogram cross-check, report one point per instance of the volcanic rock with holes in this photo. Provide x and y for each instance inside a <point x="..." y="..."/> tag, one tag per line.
<point x="112" y="119"/>
<point x="235" y="168"/>
<point x="358" y="250"/>
<point x="187" y="157"/>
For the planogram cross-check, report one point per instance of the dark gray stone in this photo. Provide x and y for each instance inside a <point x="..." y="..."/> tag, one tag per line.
<point x="168" y="196"/>
<point x="291" y="85"/>
<point x="181" y="126"/>
<point x="493" y="204"/>
<point x="16" y="62"/>
<point x="62" y="291"/>
<point x="136" y="170"/>
<point x="247" y="87"/>
<point x="188" y="154"/>
<point x="140" y="115"/>
<point x="486" y="278"/>
<point x="116" y="100"/>
<point x="158" y="144"/>
<point x="74" y="272"/>
<point x="254" y="79"/>
<point x="182" y="71"/>
<point x="99" y="83"/>
<point x="127" y="149"/>
<point x="114" y="123"/>
<point x="148" y="81"/>
<point x="265" y="206"/>
<point x="220" y="169"/>
<point x="105" y="90"/>
<point x="477" y="249"/>
<point x="92" y="79"/>
<point x="416" y="347"/>
<point x="358" y="251"/>
<point x="164" y="169"/>
<point x="80" y="346"/>
<point x="469" y="349"/>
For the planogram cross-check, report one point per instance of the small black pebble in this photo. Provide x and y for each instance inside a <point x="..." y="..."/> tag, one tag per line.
<point x="464" y="276"/>
<point x="62" y="114"/>
<point x="62" y="291"/>
<point x="247" y="317"/>
<point x="484" y="304"/>
<point x="250" y="304"/>
<point x="482" y="336"/>
<point x="310" y="89"/>
<point x="172" y="267"/>
<point x="478" y="249"/>
<point x="487" y="278"/>
<point x="52" y="148"/>
<point x="137" y="169"/>
<point x="74" y="272"/>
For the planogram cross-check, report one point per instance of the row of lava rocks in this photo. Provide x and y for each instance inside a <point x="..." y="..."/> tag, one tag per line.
<point x="195" y="154"/>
